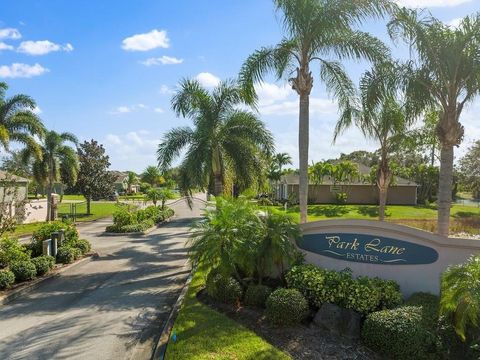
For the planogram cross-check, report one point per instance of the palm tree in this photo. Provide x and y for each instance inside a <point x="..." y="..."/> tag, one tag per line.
<point x="223" y="140"/>
<point x="316" y="31"/>
<point x="152" y="176"/>
<point x="56" y="158"/>
<point x="444" y="75"/>
<point x="282" y="159"/>
<point x="132" y="179"/>
<point x="18" y="122"/>
<point x="380" y="118"/>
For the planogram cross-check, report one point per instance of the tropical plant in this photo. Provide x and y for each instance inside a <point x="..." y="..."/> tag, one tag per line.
<point x="56" y="157"/>
<point x="319" y="170"/>
<point x="316" y="30"/>
<point x="470" y="169"/>
<point x="18" y="122"/>
<point x="159" y="194"/>
<point x="460" y="295"/>
<point x="277" y="162"/>
<point x="381" y="118"/>
<point x="152" y="176"/>
<point x="443" y="75"/>
<point x="224" y="140"/>
<point x="132" y="179"/>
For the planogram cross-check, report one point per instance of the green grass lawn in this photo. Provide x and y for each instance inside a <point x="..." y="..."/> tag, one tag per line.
<point x="98" y="210"/>
<point x="203" y="333"/>
<point x="74" y="197"/>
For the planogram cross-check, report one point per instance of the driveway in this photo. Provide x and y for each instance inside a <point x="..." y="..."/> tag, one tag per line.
<point x="111" y="307"/>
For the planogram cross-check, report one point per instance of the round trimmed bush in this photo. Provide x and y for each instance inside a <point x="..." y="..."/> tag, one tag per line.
<point x="66" y="254"/>
<point x="24" y="270"/>
<point x="7" y="278"/>
<point x="390" y="294"/>
<point x="399" y="333"/>
<point x="43" y="264"/>
<point x="223" y="288"/>
<point x="364" y="296"/>
<point x="83" y="245"/>
<point x="257" y="295"/>
<point x="286" y="307"/>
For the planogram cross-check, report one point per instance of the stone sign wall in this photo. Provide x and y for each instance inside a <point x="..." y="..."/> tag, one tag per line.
<point x="413" y="258"/>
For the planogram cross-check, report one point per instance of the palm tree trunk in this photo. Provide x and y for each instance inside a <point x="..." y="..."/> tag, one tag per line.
<point x="89" y="200"/>
<point x="445" y="189"/>
<point x="49" y="201"/>
<point x="382" y="192"/>
<point x="218" y="184"/>
<point x="303" y="141"/>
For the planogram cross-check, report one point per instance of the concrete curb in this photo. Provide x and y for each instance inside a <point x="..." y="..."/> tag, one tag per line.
<point x="32" y="285"/>
<point x="161" y="346"/>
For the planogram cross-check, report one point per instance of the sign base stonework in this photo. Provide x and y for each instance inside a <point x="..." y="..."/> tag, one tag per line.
<point x="415" y="259"/>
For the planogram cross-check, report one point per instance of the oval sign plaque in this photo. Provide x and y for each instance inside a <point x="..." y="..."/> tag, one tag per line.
<point x="367" y="249"/>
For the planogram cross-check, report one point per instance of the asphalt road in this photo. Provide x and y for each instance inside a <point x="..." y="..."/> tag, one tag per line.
<point x="111" y="307"/>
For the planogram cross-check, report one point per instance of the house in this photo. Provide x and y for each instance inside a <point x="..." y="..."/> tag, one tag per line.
<point x="402" y="192"/>
<point x="121" y="183"/>
<point x="13" y="193"/>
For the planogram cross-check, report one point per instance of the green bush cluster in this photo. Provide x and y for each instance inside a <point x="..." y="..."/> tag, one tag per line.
<point x="286" y="307"/>
<point x="126" y="219"/>
<point x="45" y="232"/>
<point x="7" y="278"/>
<point x="257" y="295"/>
<point x="400" y="334"/>
<point x="67" y="254"/>
<point x="223" y="288"/>
<point x="363" y="294"/>
<point x="43" y="264"/>
<point x="83" y="245"/>
<point x="12" y="251"/>
<point x="24" y="270"/>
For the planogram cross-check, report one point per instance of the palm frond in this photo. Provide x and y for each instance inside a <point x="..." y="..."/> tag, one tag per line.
<point x="173" y="142"/>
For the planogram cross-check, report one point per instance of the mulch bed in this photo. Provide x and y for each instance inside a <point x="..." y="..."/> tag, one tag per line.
<point x="302" y="342"/>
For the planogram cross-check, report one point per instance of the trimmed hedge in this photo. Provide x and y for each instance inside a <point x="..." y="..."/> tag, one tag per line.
<point x="67" y="254"/>
<point x="83" y="245"/>
<point x="257" y="295"/>
<point x="12" y="251"/>
<point x="286" y="307"/>
<point x="399" y="334"/>
<point x="24" y="270"/>
<point x="45" y="232"/>
<point x="126" y="220"/>
<point x="43" y="264"/>
<point x="223" y="288"/>
<point x="7" y="278"/>
<point x="363" y="294"/>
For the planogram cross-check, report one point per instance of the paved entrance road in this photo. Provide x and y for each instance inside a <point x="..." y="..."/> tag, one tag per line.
<point x="111" y="307"/>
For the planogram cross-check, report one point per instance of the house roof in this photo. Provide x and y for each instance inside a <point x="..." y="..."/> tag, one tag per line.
<point x="7" y="176"/>
<point x="119" y="175"/>
<point x="293" y="179"/>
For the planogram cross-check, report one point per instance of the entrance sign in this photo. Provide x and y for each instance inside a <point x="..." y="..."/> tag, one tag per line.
<point x="415" y="259"/>
<point x="367" y="249"/>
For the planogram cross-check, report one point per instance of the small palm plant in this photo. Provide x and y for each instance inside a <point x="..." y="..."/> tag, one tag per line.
<point x="461" y="295"/>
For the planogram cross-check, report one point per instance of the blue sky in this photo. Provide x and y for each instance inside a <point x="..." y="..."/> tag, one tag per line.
<point x="107" y="69"/>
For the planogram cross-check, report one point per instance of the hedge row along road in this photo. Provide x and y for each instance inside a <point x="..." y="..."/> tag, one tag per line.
<point x="112" y="307"/>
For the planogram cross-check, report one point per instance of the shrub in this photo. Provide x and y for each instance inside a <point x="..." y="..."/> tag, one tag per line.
<point x="45" y="232"/>
<point x="66" y="254"/>
<point x="24" y="270"/>
<point x="399" y="334"/>
<point x="43" y="264"/>
<point x="124" y="217"/>
<point x="363" y="294"/>
<point x="12" y="251"/>
<point x="150" y="212"/>
<point x="286" y="307"/>
<point x="7" y="278"/>
<point x="257" y="295"/>
<point x="223" y="288"/>
<point x="144" y="225"/>
<point x="83" y="245"/>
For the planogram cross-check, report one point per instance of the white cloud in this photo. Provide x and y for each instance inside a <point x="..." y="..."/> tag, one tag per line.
<point x="37" y="110"/>
<point x="18" y="70"/>
<point x="270" y="93"/>
<point x="112" y="139"/>
<point x="159" y="110"/>
<point x="431" y="3"/>
<point x="207" y="79"/>
<point x="165" y="90"/>
<point x="10" y="33"/>
<point x="4" y="46"/>
<point x="164" y="60"/>
<point x="126" y="109"/>
<point x="42" y="47"/>
<point x="148" y="41"/>
<point x="455" y="23"/>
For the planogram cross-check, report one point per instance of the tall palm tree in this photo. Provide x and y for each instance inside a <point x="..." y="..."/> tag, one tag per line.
<point x="132" y="179"/>
<point x="223" y="139"/>
<point x="57" y="158"/>
<point x="444" y="74"/>
<point x="316" y="31"/>
<point x="18" y="122"/>
<point x="282" y="159"/>
<point x="152" y="176"/>
<point x="380" y="118"/>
